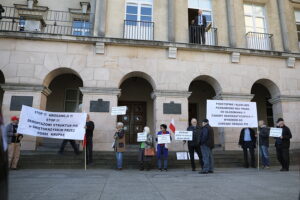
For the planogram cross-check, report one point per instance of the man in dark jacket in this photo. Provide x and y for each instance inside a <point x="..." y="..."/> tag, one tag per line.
<point x="89" y="140"/>
<point x="264" y="143"/>
<point x="248" y="141"/>
<point x="194" y="145"/>
<point x="199" y="26"/>
<point x="282" y="145"/>
<point x="3" y="163"/>
<point x="206" y="145"/>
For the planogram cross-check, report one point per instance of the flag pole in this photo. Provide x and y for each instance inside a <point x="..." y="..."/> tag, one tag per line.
<point x="85" y="157"/>
<point x="258" y="149"/>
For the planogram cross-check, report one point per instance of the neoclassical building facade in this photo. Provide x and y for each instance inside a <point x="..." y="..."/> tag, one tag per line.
<point x="90" y="56"/>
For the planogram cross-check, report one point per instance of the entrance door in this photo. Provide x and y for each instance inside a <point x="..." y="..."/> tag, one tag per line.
<point x="193" y="111"/>
<point x="134" y="121"/>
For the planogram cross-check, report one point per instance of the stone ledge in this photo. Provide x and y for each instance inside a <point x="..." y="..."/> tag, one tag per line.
<point x="26" y="88"/>
<point x="145" y="43"/>
<point x="234" y="96"/>
<point x="100" y="91"/>
<point x="170" y="93"/>
<point x="285" y="98"/>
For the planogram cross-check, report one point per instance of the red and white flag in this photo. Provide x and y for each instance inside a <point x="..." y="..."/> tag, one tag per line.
<point x="172" y="126"/>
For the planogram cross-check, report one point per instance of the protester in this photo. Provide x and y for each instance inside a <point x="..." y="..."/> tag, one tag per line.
<point x="14" y="141"/>
<point x="162" y="149"/>
<point x="282" y="145"/>
<point x="194" y="145"/>
<point x="89" y="140"/>
<point x="3" y="162"/>
<point x="200" y="25"/>
<point x="65" y="142"/>
<point x="119" y="144"/>
<point x="248" y="141"/>
<point x="264" y="143"/>
<point x="146" y="151"/>
<point x="206" y="145"/>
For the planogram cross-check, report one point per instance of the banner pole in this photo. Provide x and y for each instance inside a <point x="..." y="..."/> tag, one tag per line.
<point x="258" y="149"/>
<point x="85" y="157"/>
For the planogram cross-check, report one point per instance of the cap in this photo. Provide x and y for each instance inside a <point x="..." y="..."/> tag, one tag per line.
<point x="205" y="120"/>
<point x="14" y="118"/>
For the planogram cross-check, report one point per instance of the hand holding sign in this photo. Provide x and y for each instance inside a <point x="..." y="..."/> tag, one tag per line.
<point x="120" y="110"/>
<point x="141" y="137"/>
<point x="184" y="135"/>
<point x="275" y="132"/>
<point x="163" y="139"/>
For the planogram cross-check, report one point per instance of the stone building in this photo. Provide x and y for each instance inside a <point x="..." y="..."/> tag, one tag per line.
<point x="58" y="54"/>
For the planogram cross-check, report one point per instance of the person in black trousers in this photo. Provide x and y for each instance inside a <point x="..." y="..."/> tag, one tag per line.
<point x="89" y="129"/>
<point x="282" y="145"/>
<point x="194" y="145"/>
<point x="65" y="142"/>
<point x="248" y="141"/>
<point x="199" y="28"/>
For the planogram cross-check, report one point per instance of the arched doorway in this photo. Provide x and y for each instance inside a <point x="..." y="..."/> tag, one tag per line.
<point x="136" y="95"/>
<point x="263" y="90"/>
<point x="65" y="97"/>
<point x="202" y="89"/>
<point x="2" y="81"/>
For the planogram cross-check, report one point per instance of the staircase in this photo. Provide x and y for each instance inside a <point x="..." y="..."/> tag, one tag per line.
<point x="105" y="159"/>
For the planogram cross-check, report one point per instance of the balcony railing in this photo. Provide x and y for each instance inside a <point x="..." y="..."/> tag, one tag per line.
<point x="46" y="21"/>
<point x="261" y="41"/>
<point x="138" y="30"/>
<point x="196" y="36"/>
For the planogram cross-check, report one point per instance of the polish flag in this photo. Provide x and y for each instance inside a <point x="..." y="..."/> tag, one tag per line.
<point x="172" y="126"/>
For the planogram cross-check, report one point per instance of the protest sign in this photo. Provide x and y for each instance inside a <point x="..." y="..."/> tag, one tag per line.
<point x="57" y="125"/>
<point x="184" y="135"/>
<point x="275" y="132"/>
<point x="231" y="113"/>
<point x="182" y="155"/>
<point x="163" y="139"/>
<point x="120" y="110"/>
<point x="141" y="137"/>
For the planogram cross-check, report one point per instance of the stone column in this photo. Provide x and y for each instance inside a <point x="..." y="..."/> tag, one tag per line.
<point x="100" y="18"/>
<point x="160" y="117"/>
<point x="231" y="23"/>
<point x="231" y="135"/>
<point x="283" y="24"/>
<point x="171" y="21"/>
<point x="39" y="95"/>
<point x="105" y="123"/>
<point x="288" y="107"/>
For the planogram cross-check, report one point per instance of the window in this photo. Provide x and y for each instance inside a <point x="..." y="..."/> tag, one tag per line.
<point x="73" y="98"/>
<point x="297" y="17"/>
<point x="139" y="10"/>
<point x="81" y="28"/>
<point x="29" y="25"/>
<point x="255" y="18"/>
<point x="204" y="5"/>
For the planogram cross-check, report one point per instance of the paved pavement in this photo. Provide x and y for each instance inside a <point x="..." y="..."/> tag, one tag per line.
<point x="176" y="184"/>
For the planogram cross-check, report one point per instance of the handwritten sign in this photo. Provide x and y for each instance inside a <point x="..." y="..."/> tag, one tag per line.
<point x="182" y="155"/>
<point x="275" y="132"/>
<point x="184" y="135"/>
<point x="222" y="113"/>
<point x="59" y="125"/>
<point x="120" y="110"/>
<point x="163" y="139"/>
<point x="141" y="137"/>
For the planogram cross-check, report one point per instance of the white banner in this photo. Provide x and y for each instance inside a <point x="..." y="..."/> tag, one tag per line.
<point x="184" y="135"/>
<point x="57" y="125"/>
<point x="231" y="113"/>
<point x="120" y="110"/>
<point x="163" y="139"/>
<point x="275" y="132"/>
<point x="141" y="137"/>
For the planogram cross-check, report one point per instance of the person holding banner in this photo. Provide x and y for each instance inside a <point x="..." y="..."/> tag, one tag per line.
<point x="119" y="144"/>
<point x="282" y="145"/>
<point x="206" y="145"/>
<point x="194" y="145"/>
<point x="73" y="144"/>
<point x="264" y="143"/>
<point x="248" y="141"/>
<point x="89" y="130"/>
<point x="162" y="148"/>
<point x="146" y="151"/>
<point x="14" y="140"/>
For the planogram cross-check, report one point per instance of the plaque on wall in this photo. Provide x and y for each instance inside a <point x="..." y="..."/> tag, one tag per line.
<point x="17" y="102"/>
<point x="99" y="106"/>
<point x="172" y="108"/>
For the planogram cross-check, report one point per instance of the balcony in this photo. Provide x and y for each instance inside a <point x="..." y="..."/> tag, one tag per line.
<point x="138" y="30"/>
<point x="211" y="35"/>
<point x="261" y="41"/>
<point x="46" y="21"/>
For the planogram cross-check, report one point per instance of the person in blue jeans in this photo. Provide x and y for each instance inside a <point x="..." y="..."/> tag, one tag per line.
<point x="264" y="132"/>
<point x="119" y="145"/>
<point x="162" y="149"/>
<point x="206" y="145"/>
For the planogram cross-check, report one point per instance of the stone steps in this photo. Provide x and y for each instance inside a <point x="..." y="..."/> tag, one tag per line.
<point x="44" y="160"/>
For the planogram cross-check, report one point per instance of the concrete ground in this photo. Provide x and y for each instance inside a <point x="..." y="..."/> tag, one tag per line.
<point x="176" y="184"/>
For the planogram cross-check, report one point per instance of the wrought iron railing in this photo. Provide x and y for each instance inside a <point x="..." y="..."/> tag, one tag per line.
<point x="261" y="41"/>
<point x="198" y="35"/>
<point x="138" y="30"/>
<point x="46" y="21"/>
